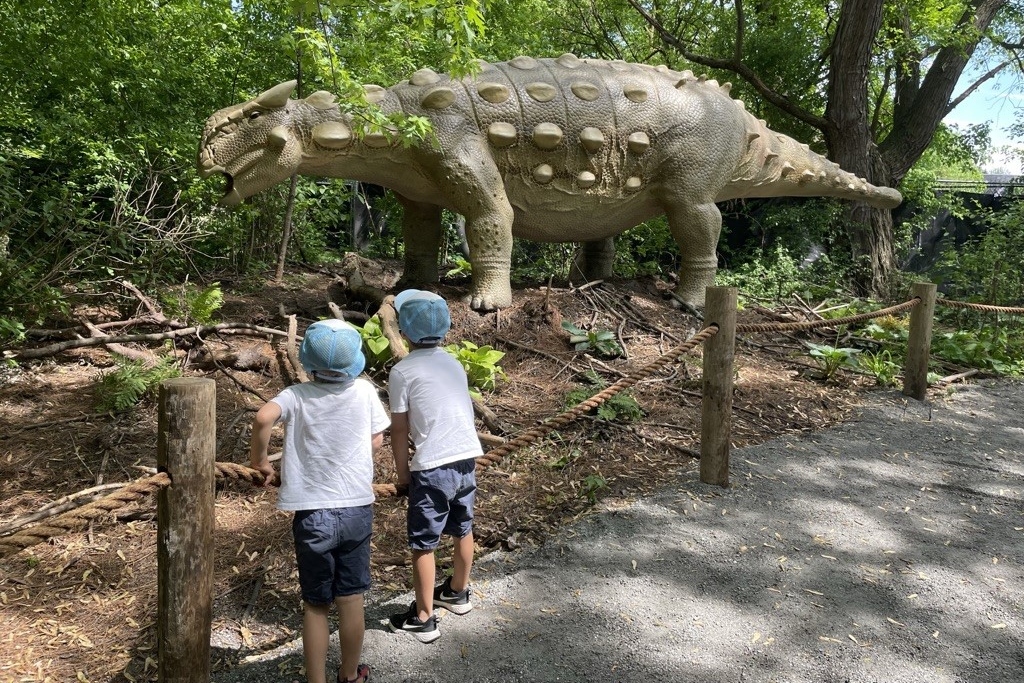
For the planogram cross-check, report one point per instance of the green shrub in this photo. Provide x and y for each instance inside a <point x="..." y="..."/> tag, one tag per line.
<point x="830" y="359"/>
<point x="985" y="349"/>
<point x="594" y="484"/>
<point x="377" y="345"/>
<point x="881" y="365"/>
<point x="480" y="363"/>
<point x="602" y="342"/>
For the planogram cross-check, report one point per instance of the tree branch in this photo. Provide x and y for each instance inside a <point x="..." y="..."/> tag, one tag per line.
<point x="778" y="100"/>
<point x="989" y="75"/>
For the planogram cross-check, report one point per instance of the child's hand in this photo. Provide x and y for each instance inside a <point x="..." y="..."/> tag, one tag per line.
<point x="270" y="477"/>
<point x="402" y="490"/>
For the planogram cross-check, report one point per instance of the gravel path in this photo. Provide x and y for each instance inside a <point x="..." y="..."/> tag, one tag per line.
<point x="887" y="549"/>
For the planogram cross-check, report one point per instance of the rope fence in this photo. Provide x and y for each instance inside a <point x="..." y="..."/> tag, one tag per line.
<point x="79" y="519"/>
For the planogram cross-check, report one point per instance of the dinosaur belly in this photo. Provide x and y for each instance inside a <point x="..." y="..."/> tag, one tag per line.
<point x="556" y="216"/>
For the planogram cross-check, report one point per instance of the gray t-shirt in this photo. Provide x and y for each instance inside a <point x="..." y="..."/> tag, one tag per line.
<point x="432" y="387"/>
<point x="328" y="444"/>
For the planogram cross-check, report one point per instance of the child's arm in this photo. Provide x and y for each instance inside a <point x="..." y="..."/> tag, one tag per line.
<point x="377" y="441"/>
<point x="400" y="447"/>
<point x="262" y="425"/>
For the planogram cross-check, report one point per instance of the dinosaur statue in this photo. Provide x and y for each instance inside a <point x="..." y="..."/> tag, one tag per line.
<point x="553" y="150"/>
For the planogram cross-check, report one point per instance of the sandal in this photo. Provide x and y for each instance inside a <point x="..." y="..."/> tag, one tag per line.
<point x="362" y="675"/>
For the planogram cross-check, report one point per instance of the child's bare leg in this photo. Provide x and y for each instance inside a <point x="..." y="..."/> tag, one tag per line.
<point x="315" y="637"/>
<point x="423" y="581"/>
<point x="462" y="559"/>
<point x="351" y="626"/>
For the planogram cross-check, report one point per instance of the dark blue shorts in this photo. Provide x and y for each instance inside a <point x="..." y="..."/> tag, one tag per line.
<point x="441" y="502"/>
<point x="332" y="549"/>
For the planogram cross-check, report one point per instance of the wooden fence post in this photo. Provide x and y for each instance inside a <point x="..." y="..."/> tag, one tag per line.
<point x="919" y="341"/>
<point x="186" y="450"/>
<point x="716" y="404"/>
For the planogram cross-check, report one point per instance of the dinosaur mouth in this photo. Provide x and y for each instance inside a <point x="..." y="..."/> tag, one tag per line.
<point x="230" y="196"/>
<point x="229" y="183"/>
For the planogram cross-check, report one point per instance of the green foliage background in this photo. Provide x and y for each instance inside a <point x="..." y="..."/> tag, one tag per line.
<point x="104" y="101"/>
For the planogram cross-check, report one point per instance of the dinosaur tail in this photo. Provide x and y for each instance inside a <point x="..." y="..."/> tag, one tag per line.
<point x="776" y="165"/>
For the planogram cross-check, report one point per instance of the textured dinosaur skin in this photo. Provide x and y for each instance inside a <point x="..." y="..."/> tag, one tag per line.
<point x="553" y="150"/>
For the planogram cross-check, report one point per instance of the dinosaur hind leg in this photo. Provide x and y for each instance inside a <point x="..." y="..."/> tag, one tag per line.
<point x="421" y="233"/>
<point x="594" y="261"/>
<point x="696" y="228"/>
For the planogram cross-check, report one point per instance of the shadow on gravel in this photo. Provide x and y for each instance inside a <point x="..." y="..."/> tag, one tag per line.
<point x="888" y="549"/>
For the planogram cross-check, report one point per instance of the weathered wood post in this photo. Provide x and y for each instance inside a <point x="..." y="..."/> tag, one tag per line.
<point x="919" y="342"/>
<point x="186" y="450"/>
<point x="716" y="404"/>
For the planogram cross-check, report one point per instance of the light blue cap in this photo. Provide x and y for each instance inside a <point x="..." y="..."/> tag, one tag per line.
<point x="423" y="316"/>
<point x="332" y="350"/>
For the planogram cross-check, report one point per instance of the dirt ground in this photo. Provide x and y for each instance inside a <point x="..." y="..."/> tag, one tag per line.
<point x="81" y="607"/>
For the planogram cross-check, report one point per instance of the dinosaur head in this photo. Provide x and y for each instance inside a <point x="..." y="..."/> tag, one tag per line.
<point x="253" y="145"/>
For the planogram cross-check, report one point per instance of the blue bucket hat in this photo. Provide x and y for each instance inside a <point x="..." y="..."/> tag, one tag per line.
<point x="422" y="316"/>
<point x="332" y="350"/>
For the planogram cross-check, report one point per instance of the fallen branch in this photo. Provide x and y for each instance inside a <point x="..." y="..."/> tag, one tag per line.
<point x="389" y="328"/>
<point x="347" y="315"/>
<point x="237" y="328"/>
<point x="154" y="310"/>
<point x="607" y="368"/>
<point x="145" y="357"/>
<point x="51" y="423"/>
<point x="293" y="354"/>
<point x="958" y="376"/>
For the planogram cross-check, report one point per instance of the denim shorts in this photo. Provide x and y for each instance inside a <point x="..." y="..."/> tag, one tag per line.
<point x="332" y="550"/>
<point x="441" y="502"/>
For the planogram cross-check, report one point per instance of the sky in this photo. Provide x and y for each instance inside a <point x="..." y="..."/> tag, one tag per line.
<point x="1001" y="101"/>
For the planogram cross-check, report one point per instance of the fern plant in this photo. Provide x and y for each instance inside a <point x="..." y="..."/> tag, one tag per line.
<point x="191" y="304"/>
<point x="621" y="407"/>
<point x="123" y="388"/>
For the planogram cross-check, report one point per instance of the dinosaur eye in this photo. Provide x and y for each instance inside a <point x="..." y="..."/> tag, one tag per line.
<point x="254" y="115"/>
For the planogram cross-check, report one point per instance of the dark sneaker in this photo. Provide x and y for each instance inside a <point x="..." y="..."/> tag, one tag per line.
<point x="409" y="622"/>
<point x="362" y="675"/>
<point x="451" y="601"/>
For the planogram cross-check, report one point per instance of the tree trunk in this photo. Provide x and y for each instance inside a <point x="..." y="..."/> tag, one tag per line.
<point x="286" y="230"/>
<point x="848" y="137"/>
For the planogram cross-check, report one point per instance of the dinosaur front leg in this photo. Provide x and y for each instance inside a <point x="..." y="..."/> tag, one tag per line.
<point x="696" y="228"/>
<point x="421" y="232"/>
<point x="477" y="190"/>
<point x="490" y="252"/>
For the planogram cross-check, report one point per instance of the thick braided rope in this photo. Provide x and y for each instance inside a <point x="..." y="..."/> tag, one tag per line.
<point x="812" y="324"/>
<point x="495" y="455"/>
<point x="979" y="307"/>
<point x="76" y="520"/>
<point x="233" y="470"/>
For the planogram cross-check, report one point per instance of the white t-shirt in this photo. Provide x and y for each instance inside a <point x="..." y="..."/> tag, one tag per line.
<point x="328" y="446"/>
<point x="432" y="387"/>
